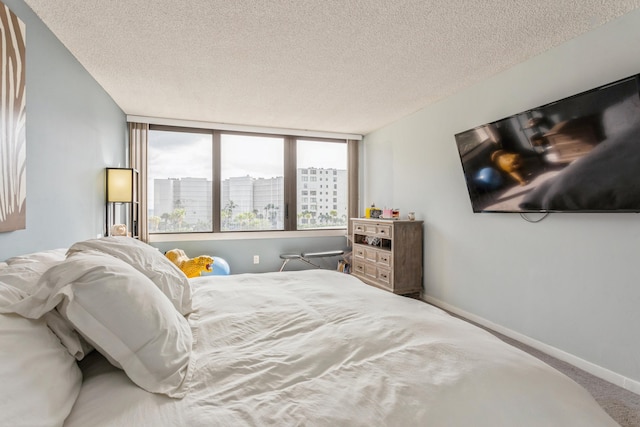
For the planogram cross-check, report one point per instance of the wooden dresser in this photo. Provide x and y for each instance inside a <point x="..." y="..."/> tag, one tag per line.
<point x="388" y="254"/>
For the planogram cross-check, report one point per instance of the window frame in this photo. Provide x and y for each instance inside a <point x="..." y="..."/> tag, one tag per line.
<point x="290" y="187"/>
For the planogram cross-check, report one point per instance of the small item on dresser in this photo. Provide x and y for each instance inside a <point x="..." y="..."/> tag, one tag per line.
<point x="411" y="216"/>
<point x="395" y="213"/>
<point x="372" y="212"/>
<point x="387" y="213"/>
<point x="372" y="240"/>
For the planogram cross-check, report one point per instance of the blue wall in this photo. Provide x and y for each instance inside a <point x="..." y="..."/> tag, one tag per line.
<point x="239" y="253"/>
<point x="569" y="284"/>
<point x="74" y="130"/>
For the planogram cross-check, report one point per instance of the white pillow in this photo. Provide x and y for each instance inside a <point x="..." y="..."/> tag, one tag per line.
<point x="22" y="278"/>
<point x="40" y="380"/>
<point x="51" y="256"/>
<point x="147" y="260"/>
<point x="122" y="314"/>
<point x="75" y="344"/>
<point x="18" y="281"/>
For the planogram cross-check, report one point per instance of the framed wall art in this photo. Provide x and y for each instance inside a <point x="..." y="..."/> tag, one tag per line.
<point x="13" y="154"/>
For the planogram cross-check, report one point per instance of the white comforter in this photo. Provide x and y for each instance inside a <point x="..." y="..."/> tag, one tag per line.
<point x="320" y="348"/>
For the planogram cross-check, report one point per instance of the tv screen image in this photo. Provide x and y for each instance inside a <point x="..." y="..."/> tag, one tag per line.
<point x="579" y="154"/>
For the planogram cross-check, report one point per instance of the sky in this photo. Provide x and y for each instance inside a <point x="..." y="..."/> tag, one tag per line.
<point x="170" y="155"/>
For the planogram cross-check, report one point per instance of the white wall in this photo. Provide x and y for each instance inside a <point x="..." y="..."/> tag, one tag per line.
<point x="572" y="281"/>
<point x="74" y="130"/>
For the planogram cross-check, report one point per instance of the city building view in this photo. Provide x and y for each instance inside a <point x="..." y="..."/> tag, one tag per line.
<point x="248" y="203"/>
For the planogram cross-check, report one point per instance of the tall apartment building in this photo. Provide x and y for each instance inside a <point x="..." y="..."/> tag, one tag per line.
<point x="321" y="197"/>
<point x="321" y="194"/>
<point x="268" y="199"/>
<point x="191" y="194"/>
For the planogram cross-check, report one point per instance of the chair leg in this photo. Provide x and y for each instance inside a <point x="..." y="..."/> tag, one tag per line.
<point x="286" y="260"/>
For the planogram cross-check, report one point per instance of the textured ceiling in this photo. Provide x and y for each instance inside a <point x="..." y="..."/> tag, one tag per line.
<point x="325" y="65"/>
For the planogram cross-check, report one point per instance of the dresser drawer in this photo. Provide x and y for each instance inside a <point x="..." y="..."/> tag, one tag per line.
<point x="384" y="258"/>
<point x="371" y="255"/>
<point x="380" y="277"/>
<point x="373" y="229"/>
<point x="381" y="258"/>
<point x="358" y="267"/>
<point x="370" y="271"/>
<point x="384" y="231"/>
<point x="370" y="228"/>
<point x="384" y="276"/>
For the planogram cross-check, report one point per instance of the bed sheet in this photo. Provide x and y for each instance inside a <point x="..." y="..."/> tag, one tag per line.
<point x="321" y="348"/>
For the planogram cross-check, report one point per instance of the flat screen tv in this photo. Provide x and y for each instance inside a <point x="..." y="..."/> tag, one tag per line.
<point x="579" y="154"/>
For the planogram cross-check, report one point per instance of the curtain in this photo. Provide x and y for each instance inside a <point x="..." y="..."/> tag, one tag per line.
<point x="352" y="155"/>
<point x="138" y="133"/>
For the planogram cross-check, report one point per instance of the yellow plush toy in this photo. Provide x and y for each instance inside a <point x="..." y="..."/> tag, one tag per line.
<point x="192" y="267"/>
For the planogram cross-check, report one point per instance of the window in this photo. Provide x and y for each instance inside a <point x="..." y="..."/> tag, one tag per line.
<point x="325" y="158"/>
<point x="179" y="169"/>
<point x="252" y="184"/>
<point x="202" y="180"/>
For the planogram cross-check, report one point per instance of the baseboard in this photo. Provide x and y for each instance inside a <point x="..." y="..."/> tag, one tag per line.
<point x="593" y="369"/>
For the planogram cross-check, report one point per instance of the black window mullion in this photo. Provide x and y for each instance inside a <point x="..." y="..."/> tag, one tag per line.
<point x="290" y="177"/>
<point x="216" y="201"/>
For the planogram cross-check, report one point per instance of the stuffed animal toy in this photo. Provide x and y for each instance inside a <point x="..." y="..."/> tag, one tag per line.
<point x="118" y="230"/>
<point x="192" y="267"/>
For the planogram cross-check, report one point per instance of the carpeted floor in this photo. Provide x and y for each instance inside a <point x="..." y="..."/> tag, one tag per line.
<point x="621" y="404"/>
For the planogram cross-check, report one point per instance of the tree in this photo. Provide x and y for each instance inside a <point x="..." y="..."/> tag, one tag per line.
<point x="177" y="216"/>
<point x="154" y="222"/>
<point x="227" y="214"/>
<point x="271" y="213"/>
<point x="165" y="220"/>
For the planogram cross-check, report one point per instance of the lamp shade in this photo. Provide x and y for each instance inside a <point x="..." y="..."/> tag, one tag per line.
<point x="119" y="185"/>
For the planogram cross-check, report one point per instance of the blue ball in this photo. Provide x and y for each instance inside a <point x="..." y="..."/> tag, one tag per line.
<point x="488" y="179"/>
<point x="220" y="267"/>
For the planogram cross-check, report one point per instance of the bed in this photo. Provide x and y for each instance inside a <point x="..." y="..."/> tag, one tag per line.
<point x="108" y="333"/>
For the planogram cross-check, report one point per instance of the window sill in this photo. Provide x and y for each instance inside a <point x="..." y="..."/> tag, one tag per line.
<point x="246" y="235"/>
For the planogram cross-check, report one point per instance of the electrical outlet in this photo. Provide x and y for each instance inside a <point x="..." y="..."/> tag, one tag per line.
<point x="256" y="259"/>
